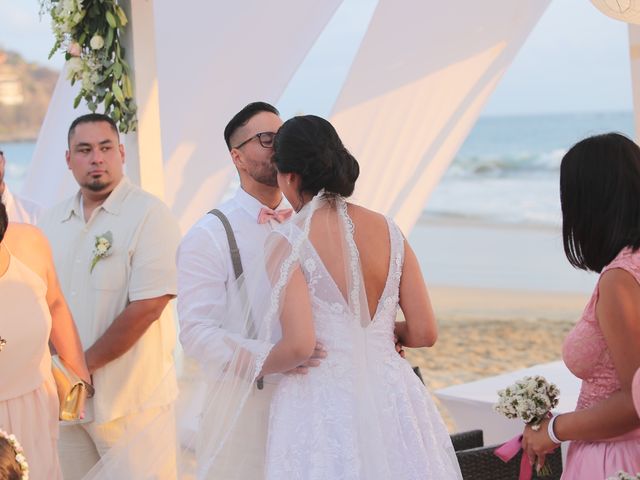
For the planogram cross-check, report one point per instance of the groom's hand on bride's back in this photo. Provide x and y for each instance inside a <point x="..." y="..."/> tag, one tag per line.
<point x="319" y="353"/>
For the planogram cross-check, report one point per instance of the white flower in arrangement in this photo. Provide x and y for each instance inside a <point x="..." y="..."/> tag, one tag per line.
<point x="96" y="42"/>
<point x="625" y="476"/>
<point x="75" y="65"/>
<point x="102" y="248"/>
<point x="530" y="399"/>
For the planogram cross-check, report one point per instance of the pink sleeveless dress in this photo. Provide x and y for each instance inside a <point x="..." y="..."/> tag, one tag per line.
<point x="586" y="354"/>
<point x="28" y="397"/>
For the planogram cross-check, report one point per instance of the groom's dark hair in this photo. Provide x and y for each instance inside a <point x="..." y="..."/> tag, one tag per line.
<point x="241" y="118"/>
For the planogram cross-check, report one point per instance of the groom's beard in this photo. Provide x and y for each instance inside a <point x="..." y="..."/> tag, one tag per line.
<point x="266" y="175"/>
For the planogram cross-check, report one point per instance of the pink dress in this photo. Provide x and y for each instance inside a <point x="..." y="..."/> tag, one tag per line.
<point x="28" y="397"/>
<point x="586" y="354"/>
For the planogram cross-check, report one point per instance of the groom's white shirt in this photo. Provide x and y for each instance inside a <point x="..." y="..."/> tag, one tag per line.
<point x="205" y="273"/>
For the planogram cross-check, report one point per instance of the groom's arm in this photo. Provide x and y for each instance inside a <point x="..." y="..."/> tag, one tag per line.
<point x="202" y="277"/>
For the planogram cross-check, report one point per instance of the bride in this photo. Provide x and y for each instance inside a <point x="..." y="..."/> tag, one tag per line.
<point x="362" y="413"/>
<point x="336" y="273"/>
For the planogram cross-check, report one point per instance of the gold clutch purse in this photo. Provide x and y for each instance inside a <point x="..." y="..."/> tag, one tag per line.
<point x="72" y="390"/>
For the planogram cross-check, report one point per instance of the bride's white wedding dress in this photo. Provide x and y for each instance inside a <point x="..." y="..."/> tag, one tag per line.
<point x="363" y="413"/>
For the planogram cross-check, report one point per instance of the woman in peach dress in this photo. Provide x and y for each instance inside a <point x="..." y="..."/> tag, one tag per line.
<point x="34" y="312"/>
<point x="600" y="196"/>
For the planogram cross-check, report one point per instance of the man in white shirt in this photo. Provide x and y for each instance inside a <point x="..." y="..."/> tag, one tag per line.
<point x="19" y="209"/>
<point x="205" y="268"/>
<point x="118" y="295"/>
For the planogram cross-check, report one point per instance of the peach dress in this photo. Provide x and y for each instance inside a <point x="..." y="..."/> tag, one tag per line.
<point x="28" y="398"/>
<point x="586" y="354"/>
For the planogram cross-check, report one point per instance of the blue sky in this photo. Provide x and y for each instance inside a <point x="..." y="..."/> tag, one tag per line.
<point x="575" y="60"/>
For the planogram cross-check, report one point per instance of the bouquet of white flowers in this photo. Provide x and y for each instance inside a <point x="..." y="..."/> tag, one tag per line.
<point x="625" y="476"/>
<point x="530" y="399"/>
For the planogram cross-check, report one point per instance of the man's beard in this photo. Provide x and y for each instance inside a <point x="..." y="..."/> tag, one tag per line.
<point x="96" y="185"/>
<point x="266" y="176"/>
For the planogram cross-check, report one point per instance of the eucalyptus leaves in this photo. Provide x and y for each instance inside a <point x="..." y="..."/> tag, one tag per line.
<point x="88" y="31"/>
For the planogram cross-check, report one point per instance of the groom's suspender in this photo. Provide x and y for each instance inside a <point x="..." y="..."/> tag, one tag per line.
<point x="237" y="270"/>
<point x="231" y="238"/>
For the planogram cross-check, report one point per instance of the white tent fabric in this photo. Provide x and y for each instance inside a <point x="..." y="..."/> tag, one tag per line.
<point x="417" y="85"/>
<point x="48" y="179"/>
<point x="210" y="65"/>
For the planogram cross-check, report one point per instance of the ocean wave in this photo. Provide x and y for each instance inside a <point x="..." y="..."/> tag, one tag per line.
<point x="501" y="165"/>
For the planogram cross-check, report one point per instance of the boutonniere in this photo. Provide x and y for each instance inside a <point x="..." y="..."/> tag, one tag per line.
<point x="102" y="248"/>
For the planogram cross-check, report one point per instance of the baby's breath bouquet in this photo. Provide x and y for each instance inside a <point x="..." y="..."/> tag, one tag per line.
<point x="530" y="399"/>
<point x="625" y="476"/>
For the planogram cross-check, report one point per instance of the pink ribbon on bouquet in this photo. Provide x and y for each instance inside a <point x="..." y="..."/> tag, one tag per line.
<point x="509" y="450"/>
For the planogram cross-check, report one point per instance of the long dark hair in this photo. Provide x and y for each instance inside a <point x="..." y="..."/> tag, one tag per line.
<point x="310" y="146"/>
<point x="600" y="198"/>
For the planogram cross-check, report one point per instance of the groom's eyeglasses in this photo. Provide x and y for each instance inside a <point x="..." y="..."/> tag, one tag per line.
<point x="265" y="139"/>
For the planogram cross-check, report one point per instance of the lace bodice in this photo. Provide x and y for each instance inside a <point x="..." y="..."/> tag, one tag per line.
<point x="585" y="350"/>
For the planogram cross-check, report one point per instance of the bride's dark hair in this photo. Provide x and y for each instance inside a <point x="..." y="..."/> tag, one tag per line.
<point x="309" y="146"/>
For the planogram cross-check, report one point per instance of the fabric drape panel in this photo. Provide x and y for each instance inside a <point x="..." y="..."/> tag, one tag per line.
<point x="48" y="180"/>
<point x="210" y="64"/>
<point x="418" y="83"/>
<point x="212" y="59"/>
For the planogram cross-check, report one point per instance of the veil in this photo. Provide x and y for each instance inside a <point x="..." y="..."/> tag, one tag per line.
<point x="214" y="407"/>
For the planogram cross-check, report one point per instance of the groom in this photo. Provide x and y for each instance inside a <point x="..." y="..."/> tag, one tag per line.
<point x="206" y="264"/>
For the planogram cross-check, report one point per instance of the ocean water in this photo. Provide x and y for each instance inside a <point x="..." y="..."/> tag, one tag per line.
<point x="506" y="172"/>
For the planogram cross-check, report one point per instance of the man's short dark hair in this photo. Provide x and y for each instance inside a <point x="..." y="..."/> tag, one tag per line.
<point x="241" y="118"/>
<point x="92" y="118"/>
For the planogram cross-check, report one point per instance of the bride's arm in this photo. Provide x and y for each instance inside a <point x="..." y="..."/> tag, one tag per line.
<point x="419" y="328"/>
<point x="298" y="336"/>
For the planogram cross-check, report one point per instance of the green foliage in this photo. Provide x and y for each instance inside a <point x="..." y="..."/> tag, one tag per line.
<point x="88" y="32"/>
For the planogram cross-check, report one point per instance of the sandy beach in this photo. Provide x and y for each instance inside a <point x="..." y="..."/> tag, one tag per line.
<point x="486" y="332"/>
<point x="504" y="296"/>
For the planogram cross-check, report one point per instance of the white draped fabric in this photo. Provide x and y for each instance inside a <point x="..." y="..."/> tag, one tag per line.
<point x="214" y="58"/>
<point x="48" y="179"/>
<point x="210" y="64"/>
<point x="421" y="77"/>
<point x="417" y="85"/>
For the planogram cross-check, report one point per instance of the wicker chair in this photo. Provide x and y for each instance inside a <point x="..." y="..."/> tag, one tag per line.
<point x="482" y="464"/>
<point x="467" y="440"/>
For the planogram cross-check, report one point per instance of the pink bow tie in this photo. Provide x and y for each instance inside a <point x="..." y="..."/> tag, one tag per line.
<point x="279" y="216"/>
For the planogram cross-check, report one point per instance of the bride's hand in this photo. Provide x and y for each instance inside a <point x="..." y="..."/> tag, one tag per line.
<point x="319" y="353"/>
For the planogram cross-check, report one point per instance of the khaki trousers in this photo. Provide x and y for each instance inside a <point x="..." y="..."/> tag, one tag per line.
<point x="81" y="446"/>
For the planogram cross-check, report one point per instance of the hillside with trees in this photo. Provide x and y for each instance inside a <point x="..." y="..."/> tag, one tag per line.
<point x="25" y="91"/>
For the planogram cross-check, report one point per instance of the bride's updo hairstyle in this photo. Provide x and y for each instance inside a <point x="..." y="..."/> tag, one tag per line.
<point x="310" y="146"/>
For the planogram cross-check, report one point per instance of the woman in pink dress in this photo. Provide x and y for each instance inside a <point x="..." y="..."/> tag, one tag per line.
<point x="600" y="196"/>
<point x="34" y="312"/>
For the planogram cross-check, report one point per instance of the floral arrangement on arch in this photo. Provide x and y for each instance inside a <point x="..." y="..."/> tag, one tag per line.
<point x="88" y="32"/>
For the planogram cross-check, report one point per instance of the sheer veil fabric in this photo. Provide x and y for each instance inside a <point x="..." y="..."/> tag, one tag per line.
<point x="319" y="241"/>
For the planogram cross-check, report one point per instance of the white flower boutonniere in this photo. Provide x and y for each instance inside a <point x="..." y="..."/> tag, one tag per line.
<point x="102" y="248"/>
